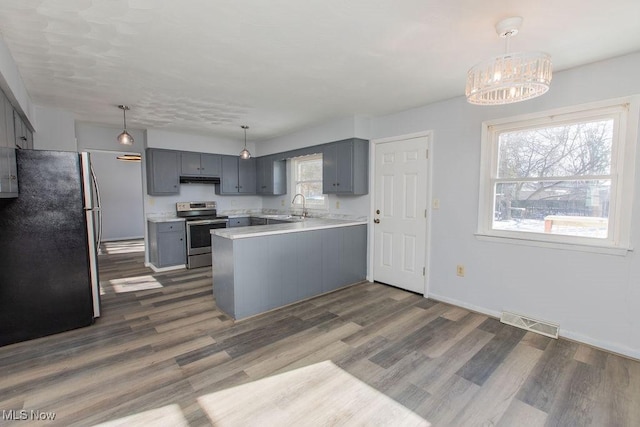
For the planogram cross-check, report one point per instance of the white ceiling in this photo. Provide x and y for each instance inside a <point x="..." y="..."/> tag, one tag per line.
<point x="207" y="66"/>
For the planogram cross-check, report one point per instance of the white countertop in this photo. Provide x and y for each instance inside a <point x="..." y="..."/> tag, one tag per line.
<point x="164" y="218"/>
<point x="308" y="224"/>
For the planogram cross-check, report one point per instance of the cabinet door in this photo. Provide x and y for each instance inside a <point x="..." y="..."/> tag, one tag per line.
<point x="229" y="176"/>
<point x="279" y="177"/>
<point x="244" y="221"/>
<point x="171" y="248"/>
<point x="329" y="169"/>
<point x="261" y="176"/>
<point x="344" y="169"/>
<point x="4" y="135"/>
<point x="9" y="124"/>
<point x="210" y="164"/>
<point x="247" y="176"/>
<point x="162" y="172"/>
<point x="189" y="164"/>
<point x="19" y="128"/>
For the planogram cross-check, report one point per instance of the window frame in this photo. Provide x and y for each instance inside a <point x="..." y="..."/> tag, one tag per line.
<point x="625" y="113"/>
<point x="294" y="181"/>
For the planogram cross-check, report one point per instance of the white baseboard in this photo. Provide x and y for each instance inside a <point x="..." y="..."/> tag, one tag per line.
<point x="574" y="336"/>
<point x="163" y="269"/>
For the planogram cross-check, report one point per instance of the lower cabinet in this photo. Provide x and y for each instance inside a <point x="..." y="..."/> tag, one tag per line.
<point x="8" y="173"/>
<point x="256" y="274"/>
<point x="244" y="221"/>
<point x="167" y="246"/>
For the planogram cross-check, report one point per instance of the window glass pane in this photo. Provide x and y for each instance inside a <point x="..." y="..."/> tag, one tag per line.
<point x="569" y="207"/>
<point x="307" y="180"/>
<point x="309" y="170"/>
<point x="312" y="192"/>
<point x="561" y="151"/>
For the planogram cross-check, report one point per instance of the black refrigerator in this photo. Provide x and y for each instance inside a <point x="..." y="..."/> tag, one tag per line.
<point x="48" y="247"/>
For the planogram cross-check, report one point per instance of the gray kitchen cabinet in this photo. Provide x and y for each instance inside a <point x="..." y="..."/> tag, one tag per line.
<point x="345" y="167"/>
<point x="257" y="221"/>
<point x="167" y="246"/>
<point x="200" y="164"/>
<point x="271" y="176"/>
<point x="244" y="221"/>
<point x="23" y="135"/>
<point x="163" y="167"/>
<point x="8" y="172"/>
<point x="285" y="268"/>
<point x="238" y="176"/>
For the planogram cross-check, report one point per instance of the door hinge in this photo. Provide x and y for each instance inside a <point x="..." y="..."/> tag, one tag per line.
<point x="425" y="213"/>
<point x="427" y="154"/>
<point x="424" y="271"/>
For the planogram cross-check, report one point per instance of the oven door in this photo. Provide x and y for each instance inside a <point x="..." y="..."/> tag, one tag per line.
<point x="199" y="235"/>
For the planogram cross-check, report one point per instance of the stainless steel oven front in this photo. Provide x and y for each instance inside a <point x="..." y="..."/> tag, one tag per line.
<point x="199" y="240"/>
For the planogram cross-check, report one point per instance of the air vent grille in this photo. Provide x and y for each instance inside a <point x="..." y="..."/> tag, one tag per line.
<point x="529" y="324"/>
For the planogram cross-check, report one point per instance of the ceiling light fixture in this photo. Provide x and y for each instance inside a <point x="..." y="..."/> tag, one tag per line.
<point x="125" y="138"/>
<point x="245" y="154"/>
<point x="508" y="78"/>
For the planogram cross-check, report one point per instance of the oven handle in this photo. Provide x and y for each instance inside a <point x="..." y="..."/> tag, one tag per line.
<point x="207" y="221"/>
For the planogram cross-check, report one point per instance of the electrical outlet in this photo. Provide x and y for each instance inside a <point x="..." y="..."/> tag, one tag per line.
<point x="435" y="204"/>
<point x="460" y="270"/>
<point x="337" y="204"/>
<point x="282" y="202"/>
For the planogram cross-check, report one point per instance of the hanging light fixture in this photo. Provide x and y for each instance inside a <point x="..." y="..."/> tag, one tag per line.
<point x="130" y="157"/>
<point x="508" y="78"/>
<point x="125" y="137"/>
<point x="245" y="154"/>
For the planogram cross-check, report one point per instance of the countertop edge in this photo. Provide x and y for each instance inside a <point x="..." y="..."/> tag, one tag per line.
<point x="294" y="227"/>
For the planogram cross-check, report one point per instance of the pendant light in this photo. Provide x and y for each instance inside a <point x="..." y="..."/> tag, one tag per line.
<point x="245" y="154"/>
<point x="125" y="138"/>
<point x="508" y="78"/>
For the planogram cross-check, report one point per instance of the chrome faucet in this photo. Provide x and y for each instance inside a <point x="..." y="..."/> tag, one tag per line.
<point x="304" y="207"/>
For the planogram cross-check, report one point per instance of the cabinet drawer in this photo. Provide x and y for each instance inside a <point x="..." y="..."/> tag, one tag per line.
<point x="164" y="227"/>
<point x="239" y="222"/>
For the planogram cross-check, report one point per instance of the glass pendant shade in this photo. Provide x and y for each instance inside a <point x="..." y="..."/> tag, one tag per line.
<point x="245" y="154"/>
<point x="125" y="137"/>
<point x="509" y="78"/>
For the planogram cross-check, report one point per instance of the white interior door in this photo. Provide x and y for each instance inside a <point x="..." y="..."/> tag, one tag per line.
<point x="400" y="210"/>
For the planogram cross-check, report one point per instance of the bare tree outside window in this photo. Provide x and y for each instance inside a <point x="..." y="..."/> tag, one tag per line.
<point x="555" y="179"/>
<point x="307" y="179"/>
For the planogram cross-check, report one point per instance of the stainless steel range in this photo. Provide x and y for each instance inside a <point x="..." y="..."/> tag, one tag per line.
<point x="201" y="217"/>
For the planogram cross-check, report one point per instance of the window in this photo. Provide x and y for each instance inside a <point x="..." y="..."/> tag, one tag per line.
<point x="307" y="180"/>
<point x="558" y="178"/>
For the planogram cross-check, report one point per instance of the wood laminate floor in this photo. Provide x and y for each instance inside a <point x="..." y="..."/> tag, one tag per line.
<point x="162" y="349"/>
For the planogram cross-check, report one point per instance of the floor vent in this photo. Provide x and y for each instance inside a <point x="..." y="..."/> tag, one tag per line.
<point x="529" y="324"/>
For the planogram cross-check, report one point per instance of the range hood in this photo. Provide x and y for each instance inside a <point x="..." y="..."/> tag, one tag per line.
<point x="199" y="180"/>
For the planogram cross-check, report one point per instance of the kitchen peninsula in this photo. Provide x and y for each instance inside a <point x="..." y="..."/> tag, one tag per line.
<point x="256" y="269"/>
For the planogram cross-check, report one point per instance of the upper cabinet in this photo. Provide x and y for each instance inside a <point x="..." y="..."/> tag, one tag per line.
<point x="238" y="176"/>
<point x="271" y="176"/>
<point x="23" y="136"/>
<point x="345" y="167"/>
<point x="8" y="172"/>
<point x="163" y="172"/>
<point x="200" y="164"/>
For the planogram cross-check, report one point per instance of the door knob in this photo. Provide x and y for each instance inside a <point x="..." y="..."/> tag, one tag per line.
<point x="377" y="211"/>
<point x="377" y="221"/>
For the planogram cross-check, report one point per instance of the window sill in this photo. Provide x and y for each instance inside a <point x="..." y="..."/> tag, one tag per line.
<point x="599" y="249"/>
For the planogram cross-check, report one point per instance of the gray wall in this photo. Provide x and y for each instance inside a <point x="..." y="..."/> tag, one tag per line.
<point x="595" y="297"/>
<point x="120" y="182"/>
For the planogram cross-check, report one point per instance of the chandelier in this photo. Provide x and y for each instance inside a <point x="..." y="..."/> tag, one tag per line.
<point x="508" y="78"/>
